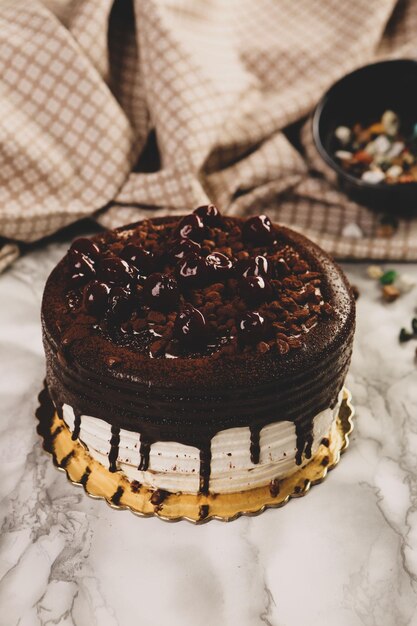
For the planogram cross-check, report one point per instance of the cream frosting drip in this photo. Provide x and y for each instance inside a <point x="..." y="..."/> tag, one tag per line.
<point x="175" y="467"/>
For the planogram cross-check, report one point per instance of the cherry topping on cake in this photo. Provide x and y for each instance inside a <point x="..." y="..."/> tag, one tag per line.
<point x="161" y="292"/>
<point x="259" y="230"/>
<point x="191" y="227"/>
<point x="258" y="266"/>
<point x="138" y="280"/>
<point x="255" y="289"/>
<point x="210" y="215"/>
<point x="251" y="327"/>
<point x="96" y="297"/>
<point x="120" y="304"/>
<point x="192" y="271"/>
<point x="183" y="248"/>
<point x="143" y="260"/>
<point x="115" y="270"/>
<point x="219" y="266"/>
<point x="86" y="247"/>
<point x="190" y="327"/>
<point x="81" y="268"/>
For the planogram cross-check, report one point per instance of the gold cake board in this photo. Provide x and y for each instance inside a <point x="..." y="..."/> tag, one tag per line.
<point x="98" y="482"/>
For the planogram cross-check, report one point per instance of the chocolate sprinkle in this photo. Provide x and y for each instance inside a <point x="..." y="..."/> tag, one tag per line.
<point x="203" y="512"/>
<point x="274" y="487"/>
<point x="115" y="499"/>
<point x="64" y="462"/>
<point x="84" y="478"/>
<point x="158" y="496"/>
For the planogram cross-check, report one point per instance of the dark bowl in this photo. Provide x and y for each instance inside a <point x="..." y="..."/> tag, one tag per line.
<point x="363" y="96"/>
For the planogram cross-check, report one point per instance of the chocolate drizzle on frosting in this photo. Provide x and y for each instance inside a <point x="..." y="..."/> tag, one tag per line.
<point x="255" y="446"/>
<point x="77" y="425"/>
<point x="205" y="466"/>
<point x="304" y="442"/>
<point x="145" y="451"/>
<point x="114" y="448"/>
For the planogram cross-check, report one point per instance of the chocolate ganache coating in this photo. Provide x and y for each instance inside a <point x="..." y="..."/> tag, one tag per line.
<point x="116" y="352"/>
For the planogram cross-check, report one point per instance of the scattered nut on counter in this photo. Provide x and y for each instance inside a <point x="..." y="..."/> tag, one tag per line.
<point x="391" y="282"/>
<point x="390" y="293"/>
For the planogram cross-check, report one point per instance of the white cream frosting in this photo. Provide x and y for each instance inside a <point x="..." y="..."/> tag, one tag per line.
<point x="175" y="467"/>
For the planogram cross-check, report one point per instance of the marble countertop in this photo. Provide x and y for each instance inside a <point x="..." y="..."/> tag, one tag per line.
<point x="346" y="554"/>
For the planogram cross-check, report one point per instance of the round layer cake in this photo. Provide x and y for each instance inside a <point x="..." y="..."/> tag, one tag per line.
<point x="202" y="354"/>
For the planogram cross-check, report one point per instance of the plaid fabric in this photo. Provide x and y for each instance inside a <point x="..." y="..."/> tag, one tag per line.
<point x="87" y="85"/>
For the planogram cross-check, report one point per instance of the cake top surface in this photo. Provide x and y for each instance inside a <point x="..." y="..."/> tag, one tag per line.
<point x="196" y="289"/>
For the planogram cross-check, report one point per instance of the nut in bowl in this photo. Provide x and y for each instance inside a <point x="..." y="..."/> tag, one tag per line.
<point x="364" y="128"/>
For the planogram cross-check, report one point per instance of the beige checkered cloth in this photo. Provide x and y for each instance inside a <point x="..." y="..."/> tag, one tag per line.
<point x="87" y="85"/>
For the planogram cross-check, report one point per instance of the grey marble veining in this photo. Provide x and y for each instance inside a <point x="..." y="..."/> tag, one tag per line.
<point x="345" y="555"/>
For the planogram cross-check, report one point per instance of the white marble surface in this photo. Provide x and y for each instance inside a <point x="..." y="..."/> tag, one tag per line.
<point x="345" y="555"/>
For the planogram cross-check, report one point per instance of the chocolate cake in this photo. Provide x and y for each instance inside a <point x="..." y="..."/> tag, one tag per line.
<point x="198" y="354"/>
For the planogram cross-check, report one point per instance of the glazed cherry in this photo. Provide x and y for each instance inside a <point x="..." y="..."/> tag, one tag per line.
<point x="192" y="271"/>
<point x="81" y="268"/>
<point x="259" y="230"/>
<point x="143" y="260"/>
<point x="219" y="266"/>
<point x="183" y="248"/>
<point x="161" y="292"/>
<point x="258" y="266"/>
<point x="96" y="298"/>
<point x="190" y="327"/>
<point x="255" y="289"/>
<point x="210" y="215"/>
<point x="86" y="247"/>
<point x="191" y="227"/>
<point x="120" y="304"/>
<point x="115" y="270"/>
<point x="251" y="327"/>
